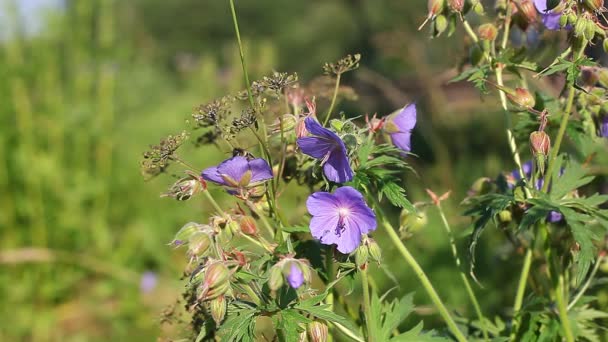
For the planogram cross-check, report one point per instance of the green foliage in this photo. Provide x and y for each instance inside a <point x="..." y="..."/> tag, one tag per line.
<point x="476" y="75"/>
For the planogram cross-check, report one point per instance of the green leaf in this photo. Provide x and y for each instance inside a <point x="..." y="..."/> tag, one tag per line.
<point x="291" y="323"/>
<point x="572" y="177"/>
<point x="584" y="237"/>
<point x="239" y="325"/>
<point x="296" y="229"/>
<point x="396" y="195"/>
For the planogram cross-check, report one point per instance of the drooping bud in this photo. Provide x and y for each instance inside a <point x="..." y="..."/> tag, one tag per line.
<point x="456" y="5"/>
<point x="275" y="279"/>
<point x="248" y="225"/>
<point x="413" y="221"/>
<point x="218" y="307"/>
<point x="540" y="143"/>
<point x="317" y="331"/>
<point x="521" y="97"/>
<point x="294" y="277"/>
<point x="440" y="24"/>
<point x="528" y="10"/>
<point x="487" y="32"/>
<point x="184" y="188"/>
<point x="185" y="232"/>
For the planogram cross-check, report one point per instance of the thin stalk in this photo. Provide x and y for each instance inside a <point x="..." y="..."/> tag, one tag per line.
<point x="465" y="280"/>
<point x="562" y="309"/>
<point x="407" y="256"/>
<point x="262" y="217"/>
<point x="562" y="126"/>
<point x="585" y="286"/>
<point x="214" y="203"/>
<point x="242" y="54"/>
<point x="333" y="100"/>
<point x="257" y="243"/>
<point x="521" y="289"/>
<point x="366" y="305"/>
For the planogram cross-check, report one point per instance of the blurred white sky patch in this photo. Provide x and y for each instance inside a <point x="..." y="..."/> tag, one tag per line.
<point x="31" y="15"/>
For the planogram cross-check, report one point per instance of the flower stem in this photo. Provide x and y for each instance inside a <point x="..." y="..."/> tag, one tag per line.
<point x="521" y="289"/>
<point x="407" y="256"/>
<point x="465" y="280"/>
<point x="562" y="126"/>
<point x="366" y="305"/>
<point x="242" y="54"/>
<point x="333" y="100"/>
<point x="562" y="308"/>
<point x="214" y="203"/>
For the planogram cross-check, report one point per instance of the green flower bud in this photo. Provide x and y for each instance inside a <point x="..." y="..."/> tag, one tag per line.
<point x="572" y="19"/>
<point x="199" y="243"/>
<point x="440" y="24"/>
<point x="594" y="5"/>
<point x="275" y="279"/>
<point x="563" y="21"/>
<point x="481" y="186"/>
<point x="580" y="28"/>
<point x="605" y="45"/>
<point x="478" y="7"/>
<point x="185" y="233"/>
<point x="435" y="7"/>
<point x="374" y="251"/>
<point x="317" y="331"/>
<point x="361" y="256"/>
<point x="475" y="54"/>
<point x="216" y="281"/>
<point x="505" y="216"/>
<point x="540" y="143"/>
<point x="218" y="307"/>
<point x="590" y="29"/>
<point x="456" y="5"/>
<point x="413" y="221"/>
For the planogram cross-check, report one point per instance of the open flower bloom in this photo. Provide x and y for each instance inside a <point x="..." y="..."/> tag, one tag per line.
<point x="295" y="278"/>
<point x="550" y="16"/>
<point x="327" y="146"/>
<point x="399" y="126"/>
<point x="239" y="172"/>
<point x="340" y="218"/>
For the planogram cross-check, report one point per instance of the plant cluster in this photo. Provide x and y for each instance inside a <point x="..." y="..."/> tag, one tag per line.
<point x="249" y="262"/>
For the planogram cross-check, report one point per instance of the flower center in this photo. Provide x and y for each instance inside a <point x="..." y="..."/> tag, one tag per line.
<point x="343" y="213"/>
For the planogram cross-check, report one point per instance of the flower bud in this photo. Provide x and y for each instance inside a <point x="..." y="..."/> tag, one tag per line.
<point x="456" y="5"/>
<point x="605" y="45"/>
<point x="413" y="221"/>
<point x="435" y="7"/>
<point x="199" y="243"/>
<point x="594" y="5"/>
<point x="440" y="24"/>
<point x="540" y="143"/>
<point x="218" y="307"/>
<point x="248" y="226"/>
<point x="487" y="32"/>
<point x="361" y="256"/>
<point x="481" y="186"/>
<point x="284" y="124"/>
<point x="301" y="130"/>
<point x="528" y="10"/>
<point x="275" y="279"/>
<point x="374" y="124"/>
<point x="215" y="281"/>
<point x="580" y="28"/>
<point x="317" y="331"/>
<point x="184" y="188"/>
<point x="477" y="7"/>
<point x="374" y="251"/>
<point x="521" y="97"/>
<point x="185" y="233"/>
<point x="505" y="216"/>
<point x="563" y="21"/>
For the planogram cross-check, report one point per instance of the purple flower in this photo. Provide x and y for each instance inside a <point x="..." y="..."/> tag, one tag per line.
<point x="340" y="218"/>
<point x="550" y="16"/>
<point x="295" y="278"/>
<point x="554" y="216"/>
<point x="400" y="127"/>
<point x="603" y="129"/>
<point x="327" y="146"/>
<point x="148" y="282"/>
<point x="239" y="172"/>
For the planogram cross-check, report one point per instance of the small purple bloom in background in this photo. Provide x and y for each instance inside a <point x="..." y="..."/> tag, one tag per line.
<point x="554" y="216"/>
<point x="148" y="282"/>
<point x="400" y="126"/>
<point x="295" y="278"/>
<point x="340" y="218"/>
<point x="550" y="16"/>
<point x="327" y="146"/>
<point x="603" y="129"/>
<point x="239" y="172"/>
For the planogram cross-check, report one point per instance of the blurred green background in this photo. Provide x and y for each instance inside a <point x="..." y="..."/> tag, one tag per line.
<point x="87" y="85"/>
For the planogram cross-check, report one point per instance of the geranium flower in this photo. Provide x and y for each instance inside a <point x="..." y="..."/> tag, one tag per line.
<point x="239" y="172"/>
<point x="603" y="129"/>
<point x="400" y="126"/>
<point x="551" y="16"/>
<point x="327" y="146"/>
<point x="340" y="218"/>
<point x="295" y="278"/>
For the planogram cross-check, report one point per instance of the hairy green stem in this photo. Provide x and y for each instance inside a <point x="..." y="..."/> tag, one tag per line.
<point x="242" y="54"/>
<point x="426" y="283"/>
<point x="562" y="308"/>
<point x="366" y="305"/>
<point x="333" y="100"/>
<point x="562" y="126"/>
<point x="519" y="294"/>
<point x="465" y="280"/>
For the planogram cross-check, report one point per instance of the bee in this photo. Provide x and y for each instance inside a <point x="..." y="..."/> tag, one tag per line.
<point x="243" y="153"/>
